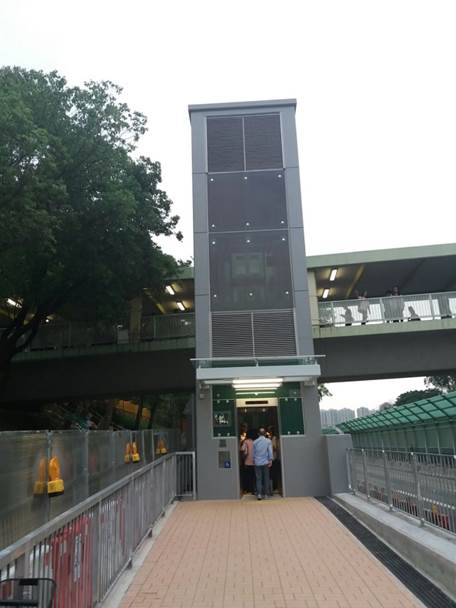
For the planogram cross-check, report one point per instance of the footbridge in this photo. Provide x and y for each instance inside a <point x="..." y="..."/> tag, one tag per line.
<point x="382" y="336"/>
<point x="127" y="532"/>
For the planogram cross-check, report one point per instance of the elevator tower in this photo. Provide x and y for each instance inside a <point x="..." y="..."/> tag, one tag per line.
<point x="253" y="329"/>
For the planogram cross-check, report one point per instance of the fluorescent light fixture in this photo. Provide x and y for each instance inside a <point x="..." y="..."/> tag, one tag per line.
<point x="252" y="385"/>
<point x="325" y="293"/>
<point x="169" y="289"/>
<point x="257" y="383"/>
<point x="255" y="392"/>
<point x="332" y="276"/>
<point x="251" y="380"/>
<point x="13" y="302"/>
<point x="180" y="306"/>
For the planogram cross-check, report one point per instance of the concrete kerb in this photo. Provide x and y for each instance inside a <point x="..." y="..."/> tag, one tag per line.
<point x="430" y="551"/>
<point x="116" y="595"/>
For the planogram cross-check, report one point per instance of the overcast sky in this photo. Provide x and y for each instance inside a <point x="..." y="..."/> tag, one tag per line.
<point x="375" y="84"/>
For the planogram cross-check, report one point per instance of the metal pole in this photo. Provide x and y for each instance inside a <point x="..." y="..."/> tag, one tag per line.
<point x="349" y="475"/>
<point x="363" y="452"/>
<point x="49" y="456"/>
<point x="419" y="503"/>
<point x="100" y="561"/>
<point x="389" y="493"/>
<point x="194" y="475"/>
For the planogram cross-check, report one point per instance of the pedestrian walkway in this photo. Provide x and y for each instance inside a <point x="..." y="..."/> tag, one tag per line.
<point x="271" y="554"/>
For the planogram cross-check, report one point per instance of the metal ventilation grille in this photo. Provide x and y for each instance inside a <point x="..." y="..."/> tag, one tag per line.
<point x="263" y="142"/>
<point x="232" y="335"/>
<point x="225" y="150"/>
<point x="274" y="333"/>
<point x="247" y="334"/>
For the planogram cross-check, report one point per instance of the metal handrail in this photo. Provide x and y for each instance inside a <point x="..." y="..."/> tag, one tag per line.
<point x="24" y="543"/>
<point x="388" y="309"/>
<point x="102" y="533"/>
<point x="419" y="484"/>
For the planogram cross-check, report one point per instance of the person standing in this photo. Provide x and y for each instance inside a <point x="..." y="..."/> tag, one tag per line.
<point x="262" y="459"/>
<point x="275" y="468"/>
<point x="388" y="305"/>
<point x="363" y="307"/>
<point x="397" y="305"/>
<point x="248" y="469"/>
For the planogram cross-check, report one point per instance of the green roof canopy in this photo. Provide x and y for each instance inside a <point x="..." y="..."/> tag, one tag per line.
<point x="436" y="409"/>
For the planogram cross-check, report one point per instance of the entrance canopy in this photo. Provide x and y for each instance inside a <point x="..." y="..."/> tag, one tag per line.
<point x="257" y="372"/>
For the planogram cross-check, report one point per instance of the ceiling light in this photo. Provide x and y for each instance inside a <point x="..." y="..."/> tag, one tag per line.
<point x="169" y="289"/>
<point x="180" y="306"/>
<point x="13" y="302"/>
<point x="254" y="392"/>
<point x="325" y="293"/>
<point x="332" y="276"/>
<point x="251" y="380"/>
<point x="257" y="386"/>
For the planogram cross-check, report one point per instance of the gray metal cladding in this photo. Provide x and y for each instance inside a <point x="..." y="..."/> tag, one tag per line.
<point x="259" y="333"/>
<point x="232" y="335"/>
<point x="225" y="148"/>
<point x="274" y="333"/>
<point x="263" y="143"/>
<point x="244" y="143"/>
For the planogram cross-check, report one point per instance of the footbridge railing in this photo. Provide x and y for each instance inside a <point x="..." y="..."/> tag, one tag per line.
<point x="421" y="485"/>
<point x="86" y="549"/>
<point x="388" y="309"/>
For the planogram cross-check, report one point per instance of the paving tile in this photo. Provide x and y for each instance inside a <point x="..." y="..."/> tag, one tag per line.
<point x="289" y="553"/>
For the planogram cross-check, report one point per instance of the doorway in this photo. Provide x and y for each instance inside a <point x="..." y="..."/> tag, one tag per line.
<point x="250" y="417"/>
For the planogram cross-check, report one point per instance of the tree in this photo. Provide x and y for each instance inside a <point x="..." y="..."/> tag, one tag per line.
<point x="78" y="211"/>
<point x="323" y="391"/>
<point x="411" y="396"/>
<point x="445" y="383"/>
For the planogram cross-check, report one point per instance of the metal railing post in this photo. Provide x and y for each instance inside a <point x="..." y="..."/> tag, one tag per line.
<point x="333" y="316"/>
<point x="194" y="475"/>
<point x="349" y="473"/>
<point x="419" y="501"/>
<point x="162" y="465"/>
<point x="363" y="452"/>
<point x="389" y="493"/>
<point x="99" y="556"/>
<point x="49" y="456"/>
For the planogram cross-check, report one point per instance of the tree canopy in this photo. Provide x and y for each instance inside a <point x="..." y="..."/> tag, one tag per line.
<point x="78" y="208"/>
<point x="411" y="396"/>
<point x="444" y="382"/>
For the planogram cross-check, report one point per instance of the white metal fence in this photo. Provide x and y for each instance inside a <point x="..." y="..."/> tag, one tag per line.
<point x="391" y="309"/>
<point x="86" y="548"/>
<point x="421" y="485"/>
<point x="63" y="335"/>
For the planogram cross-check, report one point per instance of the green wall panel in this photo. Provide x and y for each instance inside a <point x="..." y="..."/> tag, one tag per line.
<point x="290" y="412"/>
<point x="223" y="411"/>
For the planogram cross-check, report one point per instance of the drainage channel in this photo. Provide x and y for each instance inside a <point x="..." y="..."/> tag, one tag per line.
<point x="419" y="585"/>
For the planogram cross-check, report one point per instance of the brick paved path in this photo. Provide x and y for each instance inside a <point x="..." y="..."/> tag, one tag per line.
<point x="271" y="554"/>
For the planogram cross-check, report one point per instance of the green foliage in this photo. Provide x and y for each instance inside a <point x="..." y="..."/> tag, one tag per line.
<point x="445" y="383"/>
<point x="78" y="212"/>
<point x="411" y="396"/>
<point x="323" y="391"/>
